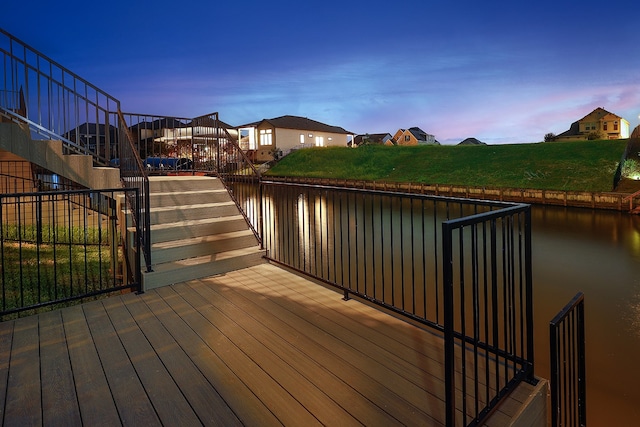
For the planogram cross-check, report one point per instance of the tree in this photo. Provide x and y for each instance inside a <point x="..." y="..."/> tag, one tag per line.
<point x="550" y="137"/>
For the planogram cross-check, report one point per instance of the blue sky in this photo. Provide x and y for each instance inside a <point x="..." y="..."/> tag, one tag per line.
<point x="502" y="72"/>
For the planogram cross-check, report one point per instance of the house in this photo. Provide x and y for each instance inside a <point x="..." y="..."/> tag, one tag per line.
<point x="599" y="124"/>
<point x="271" y="138"/>
<point x="472" y="141"/>
<point x="413" y="136"/>
<point x="373" y="138"/>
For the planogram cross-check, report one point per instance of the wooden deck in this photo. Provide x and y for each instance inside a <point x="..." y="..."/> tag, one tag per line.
<point x="259" y="346"/>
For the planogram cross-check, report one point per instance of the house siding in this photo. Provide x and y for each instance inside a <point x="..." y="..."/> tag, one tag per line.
<point x="286" y="140"/>
<point x="610" y="125"/>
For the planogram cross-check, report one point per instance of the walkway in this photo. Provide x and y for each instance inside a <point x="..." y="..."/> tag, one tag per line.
<point x="259" y="346"/>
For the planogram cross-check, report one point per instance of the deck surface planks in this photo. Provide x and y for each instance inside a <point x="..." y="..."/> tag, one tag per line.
<point x="259" y="346"/>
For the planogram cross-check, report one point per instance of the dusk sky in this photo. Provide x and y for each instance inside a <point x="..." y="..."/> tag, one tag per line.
<point x="502" y="72"/>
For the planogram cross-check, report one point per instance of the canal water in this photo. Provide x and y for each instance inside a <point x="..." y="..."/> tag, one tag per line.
<point x="598" y="253"/>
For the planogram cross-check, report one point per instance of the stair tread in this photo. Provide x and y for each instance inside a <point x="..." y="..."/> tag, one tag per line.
<point x="192" y="222"/>
<point x="166" y="193"/>
<point x="201" y="239"/>
<point x="193" y="206"/>
<point x="205" y="259"/>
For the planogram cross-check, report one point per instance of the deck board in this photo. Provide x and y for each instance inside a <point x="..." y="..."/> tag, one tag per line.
<point x="97" y="405"/>
<point x="128" y="392"/>
<point x="259" y="346"/>
<point x="59" y="399"/>
<point x="164" y="395"/>
<point x="202" y="395"/>
<point x="22" y="407"/>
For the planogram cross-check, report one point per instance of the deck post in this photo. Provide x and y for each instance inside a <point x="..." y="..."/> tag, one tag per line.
<point x="449" y="351"/>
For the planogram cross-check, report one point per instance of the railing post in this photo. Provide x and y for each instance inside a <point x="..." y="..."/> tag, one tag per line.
<point x="582" y="386"/>
<point x="529" y="295"/>
<point x="449" y="349"/>
<point x="138" y="272"/>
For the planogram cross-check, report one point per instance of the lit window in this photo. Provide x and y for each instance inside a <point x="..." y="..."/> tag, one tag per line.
<point x="301" y="138"/>
<point x="330" y="139"/>
<point x="265" y="137"/>
<point x="319" y="141"/>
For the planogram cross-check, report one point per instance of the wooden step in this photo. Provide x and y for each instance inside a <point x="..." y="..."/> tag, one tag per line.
<point x="169" y="184"/>
<point x="194" y="228"/>
<point x="167" y="214"/>
<point x="162" y="199"/>
<point x="194" y="268"/>
<point x="175" y="250"/>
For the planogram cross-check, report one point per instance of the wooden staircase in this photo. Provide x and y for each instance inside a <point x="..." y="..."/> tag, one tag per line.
<point x="196" y="231"/>
<point x="49" y="155"/>
<point x="631" y="198"/>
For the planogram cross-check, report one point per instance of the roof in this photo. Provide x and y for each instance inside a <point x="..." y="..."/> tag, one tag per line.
<point x="301" y="123"/>
<point x="373" y="137"/>
<point x="595" y="115"/>
<point x="598" y="114"/>
<point x="472" y="141"/>
<point x="418" y="133"/>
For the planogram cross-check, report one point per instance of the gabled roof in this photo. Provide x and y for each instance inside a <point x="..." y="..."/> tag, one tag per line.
<point x="373" y="137"/>
<point x="418" y="133"/>
<point x="299" y="123"/>
<point x="598" y="114"/>
<point x="472" y="141"/>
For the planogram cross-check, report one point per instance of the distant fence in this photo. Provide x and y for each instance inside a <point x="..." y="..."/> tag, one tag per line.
<point x="597" y="200"/>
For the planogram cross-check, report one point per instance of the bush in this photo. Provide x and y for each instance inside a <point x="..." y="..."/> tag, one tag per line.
<point x="595" y="135"/>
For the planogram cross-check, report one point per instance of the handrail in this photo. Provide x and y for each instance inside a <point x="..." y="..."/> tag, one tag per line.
<point x="56" y="103"/>
<point x="631" y="197"/>
<point x="243" y="181"/>
<point x="133" y="175"/>
<point x="243" y="154"/>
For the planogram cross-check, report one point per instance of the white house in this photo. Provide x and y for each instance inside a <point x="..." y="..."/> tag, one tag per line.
<point x="280" y="135"/>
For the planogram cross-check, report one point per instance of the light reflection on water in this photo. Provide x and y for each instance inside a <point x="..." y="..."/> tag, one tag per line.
<point x="596" y="252"/>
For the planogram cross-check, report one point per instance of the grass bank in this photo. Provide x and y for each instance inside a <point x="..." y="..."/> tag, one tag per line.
<point x="570" y="166"/>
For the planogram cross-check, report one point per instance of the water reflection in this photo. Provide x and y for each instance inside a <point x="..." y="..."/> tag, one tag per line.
<point x="597" y="252"/>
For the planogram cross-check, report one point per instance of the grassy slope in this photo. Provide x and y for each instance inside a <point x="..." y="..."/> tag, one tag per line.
<point x="578" y="166"/>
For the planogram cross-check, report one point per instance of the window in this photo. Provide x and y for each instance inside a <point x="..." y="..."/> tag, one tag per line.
<point x="407" y="138"/>
<point x="319" y="141"/>
<point x="301" y="138"/>
<point x="266" y="137"/>
<point x="604" y="126"/>
<point x="615" y="125"/>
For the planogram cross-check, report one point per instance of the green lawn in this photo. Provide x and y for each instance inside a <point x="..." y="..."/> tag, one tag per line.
<point x="67" y="262"/>
<point x="572" y="166"/>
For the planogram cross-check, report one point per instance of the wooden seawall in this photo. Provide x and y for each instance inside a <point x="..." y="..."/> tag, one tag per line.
<point x="603" y="200"/>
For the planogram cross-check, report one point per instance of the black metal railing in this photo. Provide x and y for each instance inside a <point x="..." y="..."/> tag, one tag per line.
<point x="459" y="266"/>
<point x="568" y="366"/>
<point x="61" y="246"/>
<point x="134" y="176"/>
<point x="488" y="310"/>
<point x="242" y="180"/>
<point x="55" y="103"/>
